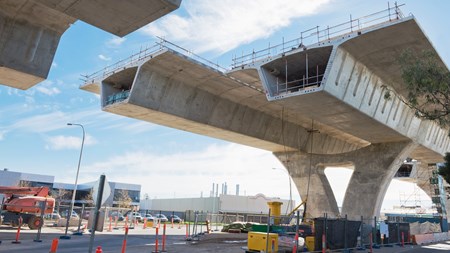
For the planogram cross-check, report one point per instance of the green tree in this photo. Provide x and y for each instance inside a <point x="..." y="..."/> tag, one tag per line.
<point x="427" y="81"/>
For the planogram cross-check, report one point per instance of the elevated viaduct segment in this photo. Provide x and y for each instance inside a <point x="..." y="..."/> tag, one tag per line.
<point x="30" y="30"/>
<point x="312" y="106"/>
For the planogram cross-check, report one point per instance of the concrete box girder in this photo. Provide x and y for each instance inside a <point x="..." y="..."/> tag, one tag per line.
<point x="350" y="97"/>
<point x="115" y="16"/>
<point x="30" y="30"/>
<point x="210" y="103"/>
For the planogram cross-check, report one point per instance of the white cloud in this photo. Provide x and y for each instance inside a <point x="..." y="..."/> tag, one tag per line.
<point x="189" y="174"/>
<point x="104" y="58"/>
<point x="115" y="42"/>
<point x="52" y="121"/>
<point x="68" y="142"/>
<point x="48" y="90"/>
<point x="2" y="135"/>
<point x="220" y="26"/>
<point x="54" y="64"/>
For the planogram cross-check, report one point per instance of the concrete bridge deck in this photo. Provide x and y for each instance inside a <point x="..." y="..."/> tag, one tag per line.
<point x="334" y="86"/>
<point x="30" y="30"/>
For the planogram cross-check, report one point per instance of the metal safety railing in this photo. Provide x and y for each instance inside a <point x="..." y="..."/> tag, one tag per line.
<point x="297" y="84"/>
<point x="317" y="35"/>
<point x="146" y="54"/>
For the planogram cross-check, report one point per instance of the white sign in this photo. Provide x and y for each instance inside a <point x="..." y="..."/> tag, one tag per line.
<point x="106" y="191"/>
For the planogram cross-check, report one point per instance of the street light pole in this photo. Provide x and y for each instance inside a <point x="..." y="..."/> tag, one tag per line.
<point x="72" y="203"/>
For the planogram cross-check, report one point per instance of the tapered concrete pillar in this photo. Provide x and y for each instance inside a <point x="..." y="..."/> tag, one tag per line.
<point x="374" y="168"/>
<point x="319" y="195"/>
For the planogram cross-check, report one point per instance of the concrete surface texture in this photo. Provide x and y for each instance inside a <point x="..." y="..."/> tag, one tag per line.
<point x="336" y="110"/>
<point x="30" y="30"/>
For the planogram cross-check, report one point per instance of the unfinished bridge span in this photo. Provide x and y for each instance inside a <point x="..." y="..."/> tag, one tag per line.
<point x="324" y="98"/>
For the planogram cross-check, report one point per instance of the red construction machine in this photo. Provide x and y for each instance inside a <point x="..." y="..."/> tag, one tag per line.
<point x="25" y="203"/>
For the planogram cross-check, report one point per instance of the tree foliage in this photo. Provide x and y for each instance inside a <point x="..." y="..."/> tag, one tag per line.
<point x="24" y="183"/>
<point x="427" y="80"/>
<point x="444" y="171"/>
<point x="89" y="198"/>
<point x="123" y="199"/>
<point x="428" y="83"/>
<point x="60" y="195"/>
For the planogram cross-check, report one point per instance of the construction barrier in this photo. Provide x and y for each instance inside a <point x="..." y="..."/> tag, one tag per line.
<point x="324" y="243"/>
<point x="110" y="224"/>
<point x="17" y="241"/>
<point x="116" y="219"/>
<point x="164" y="239"/>
<point x="124" y="244"/>
<point x="54" y="246"/>
<point x="429" y="238"/>
<point x="156" y="241"/>
<point x="294" y="249"/>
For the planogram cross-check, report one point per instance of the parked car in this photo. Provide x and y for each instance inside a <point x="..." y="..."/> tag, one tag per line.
<point x="74" y="214"/>
<point x="86" y="214"/>
<point x="149" y="217"/>
<point x="117" y="215"/>
<point x="52" y="216"/>
<point x="135" y="216"/>
<point x="162" y="217"/>
<point x="175" y="218"/>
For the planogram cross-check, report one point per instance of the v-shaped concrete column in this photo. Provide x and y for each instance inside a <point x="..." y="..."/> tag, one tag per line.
<point x="320" y="197"/>
<point x="374" y="168"/>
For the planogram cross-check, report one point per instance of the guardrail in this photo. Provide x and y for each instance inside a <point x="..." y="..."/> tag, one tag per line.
<point x="145" y="54"/>
<point x="316" y="35"/>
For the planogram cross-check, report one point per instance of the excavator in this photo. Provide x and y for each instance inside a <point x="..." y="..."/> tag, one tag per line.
<point x="25" y="203"/>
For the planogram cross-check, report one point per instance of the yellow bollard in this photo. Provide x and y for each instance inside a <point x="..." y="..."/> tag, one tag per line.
<point x="275" y="208"/>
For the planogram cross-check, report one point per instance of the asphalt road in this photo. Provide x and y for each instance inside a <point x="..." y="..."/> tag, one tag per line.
<point x="143" y="240"/>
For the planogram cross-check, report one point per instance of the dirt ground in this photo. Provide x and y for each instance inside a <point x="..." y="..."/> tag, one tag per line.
<point x="215" y="242"/>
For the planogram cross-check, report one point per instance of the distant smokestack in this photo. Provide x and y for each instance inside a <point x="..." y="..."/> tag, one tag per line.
<point x="217" y="190"/>
<point x="212" y="192"/>
<point x="237" y="190"/>
<point x="226" y="189"/>
<point x="223" y="189"/>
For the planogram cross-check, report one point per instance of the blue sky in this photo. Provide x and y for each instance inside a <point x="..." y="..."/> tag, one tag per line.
<point x="34" y="136"/>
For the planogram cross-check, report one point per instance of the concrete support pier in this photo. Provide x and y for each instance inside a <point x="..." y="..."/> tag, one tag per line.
<point x="374" y="167"/>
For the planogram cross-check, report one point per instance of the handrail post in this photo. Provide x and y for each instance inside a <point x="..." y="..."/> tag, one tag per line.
<point x="351" y="23"/>
<point x="317" y="31"/>
<point x="389" y="11"/>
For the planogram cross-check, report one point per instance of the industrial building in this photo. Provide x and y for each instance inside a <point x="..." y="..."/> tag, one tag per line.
<point x="13" y="178"/>
<point x="217" y="203"/>
<point x="221" y="204"/>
